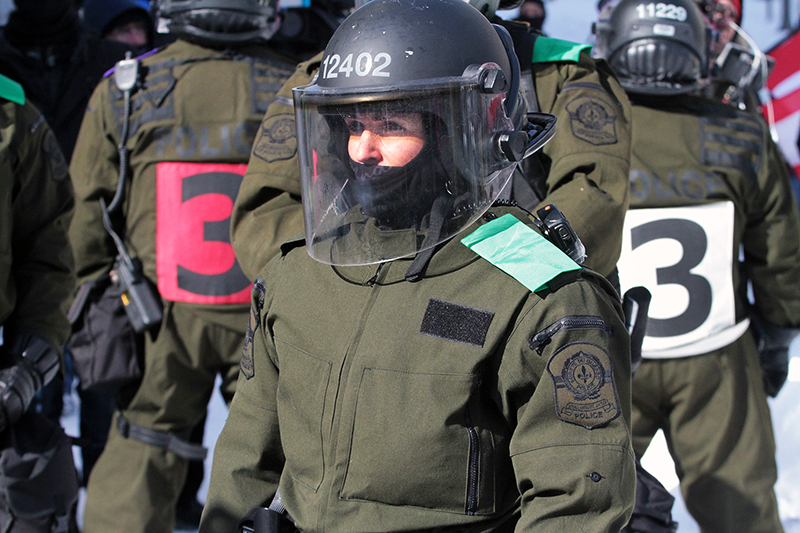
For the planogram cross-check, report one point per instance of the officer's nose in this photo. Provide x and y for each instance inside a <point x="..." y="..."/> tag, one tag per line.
<point x="368" y="150"/>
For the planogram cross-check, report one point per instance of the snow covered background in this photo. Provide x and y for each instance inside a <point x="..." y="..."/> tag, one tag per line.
<point x="571" y="20"/>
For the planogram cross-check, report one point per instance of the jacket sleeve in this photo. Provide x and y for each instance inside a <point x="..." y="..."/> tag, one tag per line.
<point x="571" y="448"/>
<point x="95" y="172"/>
<point x="42" y="260"/>
<point x="248" y="457"/>
<point x="772" y="242"/>
<point x="268" y="209"/>
<point x="588" y="160"/>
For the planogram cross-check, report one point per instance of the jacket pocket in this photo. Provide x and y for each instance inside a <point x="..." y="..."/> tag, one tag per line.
<point x="414" y="443"/>
<point x="302" y="388"/>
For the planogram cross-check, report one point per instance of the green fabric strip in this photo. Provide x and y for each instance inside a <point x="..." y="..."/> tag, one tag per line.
<point x="11" y="90"/>
<point x="519" y="251"/>
<point x="547" y="49"/>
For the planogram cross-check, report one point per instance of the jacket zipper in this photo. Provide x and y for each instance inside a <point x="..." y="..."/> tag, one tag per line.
<point x="472" y="468"/>
<point x="541" y="339"/>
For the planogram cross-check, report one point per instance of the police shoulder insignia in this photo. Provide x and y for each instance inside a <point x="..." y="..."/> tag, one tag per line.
<point x="59" y="170"/>
<point x="247" y="365"/>
<point x="585" y="393"/>
<point x="277" y="139"/>
<point x="592" y="120"/>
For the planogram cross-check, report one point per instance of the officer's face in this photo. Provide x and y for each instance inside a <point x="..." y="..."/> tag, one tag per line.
<point x="385" y="140"/>
<point x="133" y="33"/>
<point x="723" y="14"/>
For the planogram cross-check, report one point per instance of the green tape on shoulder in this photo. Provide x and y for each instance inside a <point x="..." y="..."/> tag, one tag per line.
<point x="11" y="90"/>
<point x="547" y="49"/>
<point x="519" y="251"/>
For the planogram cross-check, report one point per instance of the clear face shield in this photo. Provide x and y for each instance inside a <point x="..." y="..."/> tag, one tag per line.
<point x="740" y="61"/>
<point x="391" y="171"/>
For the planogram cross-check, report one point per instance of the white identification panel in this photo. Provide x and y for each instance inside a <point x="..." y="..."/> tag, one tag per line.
<point x="684" y="257"/>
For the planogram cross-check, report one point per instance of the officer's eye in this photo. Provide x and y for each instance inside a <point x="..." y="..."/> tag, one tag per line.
<point x="391" y="126"/>
<point x="354" y="126"/>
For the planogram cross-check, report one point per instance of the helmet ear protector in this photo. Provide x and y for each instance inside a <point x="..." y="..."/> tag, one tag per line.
<point x="531" y="130"/>
<point x="742" y="65"/>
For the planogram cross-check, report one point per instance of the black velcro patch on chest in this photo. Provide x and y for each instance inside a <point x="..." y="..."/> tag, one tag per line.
<point x="456" y="323"/>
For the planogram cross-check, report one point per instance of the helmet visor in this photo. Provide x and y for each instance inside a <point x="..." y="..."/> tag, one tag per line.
<point x="390" y="171"/>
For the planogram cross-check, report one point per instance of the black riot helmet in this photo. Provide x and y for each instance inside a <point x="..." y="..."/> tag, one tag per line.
<point x="219" y="22"/>
<point x="445" y="81"/>
<point x="656" y="48"/>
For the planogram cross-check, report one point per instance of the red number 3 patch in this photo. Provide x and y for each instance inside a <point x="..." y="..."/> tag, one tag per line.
<point x="195" y="262"/>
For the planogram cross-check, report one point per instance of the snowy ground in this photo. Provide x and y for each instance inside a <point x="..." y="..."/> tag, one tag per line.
<point x="571" y="19"/>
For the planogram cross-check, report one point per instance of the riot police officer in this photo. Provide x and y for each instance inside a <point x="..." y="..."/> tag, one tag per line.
<point x="179" y="123"/>
<point x="711" y="212"/>
<point x="40" y="484"/>
<point x="385" y="385"/>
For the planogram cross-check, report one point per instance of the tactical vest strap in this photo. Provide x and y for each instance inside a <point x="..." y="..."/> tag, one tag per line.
<point x="161" y="439"/>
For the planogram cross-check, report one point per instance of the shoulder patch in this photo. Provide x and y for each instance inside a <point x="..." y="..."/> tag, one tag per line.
<point x="59" y="170"/>
<point x="519" y="251"/>
<point x="592" y="120"/>
<point x="583" y="379"/>
<point x="247" y="365"/>
<point x="277" y="138"/>
<point x="547" y="49"/>
<point x="11" y="90"/>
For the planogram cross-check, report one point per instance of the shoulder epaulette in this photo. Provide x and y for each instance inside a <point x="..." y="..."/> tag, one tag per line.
<point x="547" y="49"/>
<point x="519" y="251"/>
<point x="11" y="90"/>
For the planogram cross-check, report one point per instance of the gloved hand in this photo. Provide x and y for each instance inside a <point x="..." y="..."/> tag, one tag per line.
<point x="774" y="368"/>
<point x="773" y="352"/>
<point x="18" y="386"/>
<point x="36" y="362"/>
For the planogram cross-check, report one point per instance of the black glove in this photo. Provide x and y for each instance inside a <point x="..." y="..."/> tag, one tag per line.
<point x="773" y="353"/>
<point x="774" y="369"/>
<point x="35" y="364"/>
<point x="635" y="304"/>
<point x="652" y="512"/>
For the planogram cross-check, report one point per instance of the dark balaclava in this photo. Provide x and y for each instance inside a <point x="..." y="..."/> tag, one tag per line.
<point x="400" y="197"/>
<point x="43" y="23"/>
<point x="535" y="22"/>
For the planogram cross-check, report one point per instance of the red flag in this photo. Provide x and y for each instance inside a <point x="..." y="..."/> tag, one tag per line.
<point x="783" y="111"/>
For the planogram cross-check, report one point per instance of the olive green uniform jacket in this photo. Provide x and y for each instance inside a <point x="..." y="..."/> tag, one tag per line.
<point x="441" y="405"/>
<point x="585" y="164"/>
<point x="36" y="201"/>
<point x="175" y="117"/>
<point x="711" y="210"/>
<point x="693" y="152"/>
<point x="194" y="114"/>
